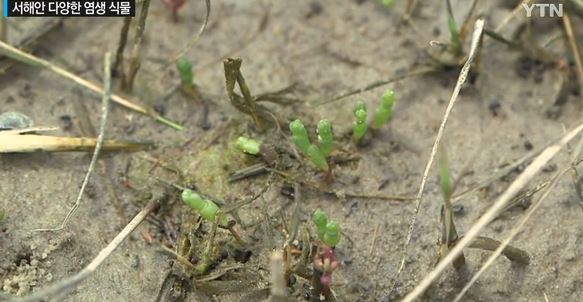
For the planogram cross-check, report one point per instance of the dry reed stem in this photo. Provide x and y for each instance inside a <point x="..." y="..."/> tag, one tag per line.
<point x="574" y="47"/>
<point x="128" y="79"/>
<point x="477" y="36"/>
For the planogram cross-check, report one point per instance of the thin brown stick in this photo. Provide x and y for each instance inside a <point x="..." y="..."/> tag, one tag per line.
<point x="118" y="66"/>
<point x="128" y="79"/>
<point x="63" y="287"/>
<point x="30" y="41"/>
<point x="574" y="46"/>
<point x="477" y="37"/>
<point x="26" y="130"/>
<point x="468" y="20"/>
<point x="519" y="8"/>
<point x="34" y="143"/>
<point x="377" y="84"/>
<point x="501" y="173"/>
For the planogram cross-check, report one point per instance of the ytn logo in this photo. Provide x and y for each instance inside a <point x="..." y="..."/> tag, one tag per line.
<point x="554" y="9"/>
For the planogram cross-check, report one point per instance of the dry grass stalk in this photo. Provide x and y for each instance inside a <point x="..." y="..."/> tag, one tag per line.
<point x="30" y="59"/>
<point x="33" y="143"/>
<point x="98" y="143"/>
<point x="477" y="37"/>
<point x="278" y="284"/>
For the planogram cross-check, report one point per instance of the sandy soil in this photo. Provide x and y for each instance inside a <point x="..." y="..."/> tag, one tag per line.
<point x="327" y="47"/>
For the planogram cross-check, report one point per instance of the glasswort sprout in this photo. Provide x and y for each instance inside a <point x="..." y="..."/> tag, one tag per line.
<point x="206" y="208"/>
<point x="325" y="137"/>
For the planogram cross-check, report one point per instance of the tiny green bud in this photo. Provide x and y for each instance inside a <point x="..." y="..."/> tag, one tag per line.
<point x="385" y="109"/>
<point x="185" y="70"/>
<point x="192" y="199"/>
<point x="317" y="157"/>
<point x="248" y="145"/>
<point x="325" y="137"/>
<point x="300" y="135"/>
<point x="360" y="105"/>
<point x="387" y="3"/>
<point x="359" y="126"/>
<point x="207" y="209"/>
<point x="320" y="220"/>
<point x="332" y="236"/>
<point x="455" y="40"/>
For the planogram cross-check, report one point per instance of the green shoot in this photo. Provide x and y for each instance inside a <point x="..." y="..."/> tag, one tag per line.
<point x="449" y="233"/>
<point x="206" y="208"/>
<point x="332" y="236"/>
<point x="185" y="71"/>
<point x="248" y="145"/>
<point x="300" y="135"/>
<point x="320" y="220"/>
<point x="359" y="126"/>
<point x="360" y="105"/>
<point x="385" y="109"/>
<point x="455" y="40"/>
<point x="325" y="137"/>
<point x="317" y="158"/>
<point x="328" y="232"/>
<point x="387" y="3"/>
<point x="444" y="177"/>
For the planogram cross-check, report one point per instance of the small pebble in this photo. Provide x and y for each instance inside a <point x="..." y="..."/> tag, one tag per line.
<point x="495" y="108"/>
<point x="458" y="209"/>
<point x="66" y="121"/>
<point x="14" y="120"/>
<point x="134" y="261"/>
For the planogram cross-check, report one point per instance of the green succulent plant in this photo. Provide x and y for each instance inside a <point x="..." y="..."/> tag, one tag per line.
<point x="248" y="145"/>
<point x="328" y="231"/>
<point x="300" y="135"/>
<point x="325" y="137"/>
<point x="207" y="209"/>
<point x="185" y="71"/>
<point x="359" y="126"/>
<point x="384" y="110"/>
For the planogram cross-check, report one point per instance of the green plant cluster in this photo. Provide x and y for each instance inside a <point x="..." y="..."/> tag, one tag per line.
<point x="382" y="115"/>
<point x="328" y="231"/>
<point x="316" y="153"/>
<point x="184" y="68"/>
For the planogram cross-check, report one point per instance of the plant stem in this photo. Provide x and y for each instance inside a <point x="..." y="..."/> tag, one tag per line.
<point x="128" y="81"/>
<point x="118" y="67"/>
<point x="204" y="264"/>
<point x="512" y="253"/>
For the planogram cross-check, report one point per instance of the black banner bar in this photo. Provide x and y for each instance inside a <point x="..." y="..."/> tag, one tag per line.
<point x="70" y="8"/>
